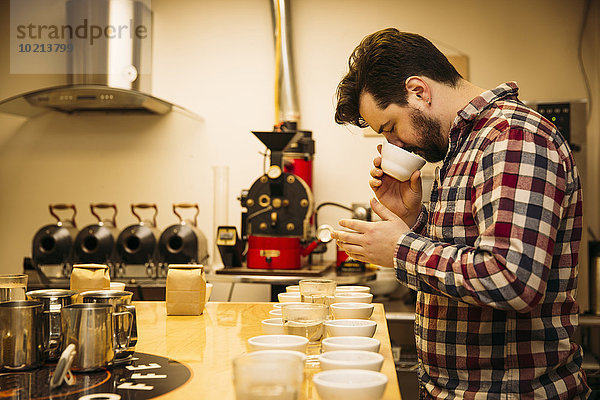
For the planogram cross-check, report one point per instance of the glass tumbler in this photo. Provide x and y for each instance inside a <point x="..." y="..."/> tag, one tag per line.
<point x="269" y="375"/>
<point x="13" y="287"/>
<point x="317" y="291"/>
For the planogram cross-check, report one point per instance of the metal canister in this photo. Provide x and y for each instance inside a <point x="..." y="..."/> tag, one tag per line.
<point x="53" y="301"/>
<point x="21" y="335"/>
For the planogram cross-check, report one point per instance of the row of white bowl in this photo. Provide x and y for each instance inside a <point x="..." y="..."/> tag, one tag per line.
<point x="340" y="297"/>
<point x="350" y="360"/>
<point x="335" y="327"/>
<point x="345" y="289"/>
<point x="346" y="374"/>
<point x="339" y="310"/>
<point x="299" y="343"/>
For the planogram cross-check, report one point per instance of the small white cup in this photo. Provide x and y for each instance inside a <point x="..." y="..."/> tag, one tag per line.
<point x="289" y="296"/>
<point x="273" y="326"/>
<point x="352" y="289"/>
<point x="120" y="286"/>
<point x="353" y="297"/>
<point x="351" y="359"/>
<point x="350" y="384"/>
<point x="278" y="342"/>
<point x="351" y="327"/>
<point x="399" y="163"/>
<point x="352" y="310"/>
<point x="351" y="343"/>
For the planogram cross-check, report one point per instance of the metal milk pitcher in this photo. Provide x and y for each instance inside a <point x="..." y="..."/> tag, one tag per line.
<point x="21" y="335"/>
<point x="121" y="302"/>
<point x="90" y="328"/>
<point x="53" y="301"/>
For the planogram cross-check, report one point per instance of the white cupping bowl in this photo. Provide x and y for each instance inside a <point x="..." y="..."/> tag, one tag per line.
<point x="350" y="384"/>
<point x="350" y="343"/>
<point x="279" y="305"/>
<point x="353" y="289"/>
<point x="351" y="327"/>
<point x="292" y="289"/>
<point x="287" y="297"/>
<point x="272" y="326"/>
<point x="351" y="359"/>
<point x="352" y="310"/>
<point x="352" y="297"/>
<point x="399" y="163"/>
<point x="276" y="312"/>
<point x="260" y="353"/>
<point x="278" y="342"/>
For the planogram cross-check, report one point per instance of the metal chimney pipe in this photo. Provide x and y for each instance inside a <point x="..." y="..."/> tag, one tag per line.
<point x="286" y="99"/>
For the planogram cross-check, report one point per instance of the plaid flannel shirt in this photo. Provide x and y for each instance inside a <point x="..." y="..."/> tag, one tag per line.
<point x="494" y="259"/>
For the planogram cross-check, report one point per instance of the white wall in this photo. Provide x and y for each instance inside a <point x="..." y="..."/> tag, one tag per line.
<point x="215" y="57"/>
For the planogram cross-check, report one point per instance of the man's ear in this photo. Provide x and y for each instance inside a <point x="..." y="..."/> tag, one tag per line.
<point x="418" y="89"/>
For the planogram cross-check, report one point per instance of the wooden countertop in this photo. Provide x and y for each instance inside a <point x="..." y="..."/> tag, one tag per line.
<point x="209" y="342"/>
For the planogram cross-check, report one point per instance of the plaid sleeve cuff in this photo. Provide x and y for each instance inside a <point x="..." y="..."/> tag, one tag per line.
<point x="419" y="226"/>
<point x="408" y="251"/>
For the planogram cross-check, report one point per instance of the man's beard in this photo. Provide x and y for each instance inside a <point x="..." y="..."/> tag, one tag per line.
<point x="431" y="145"/>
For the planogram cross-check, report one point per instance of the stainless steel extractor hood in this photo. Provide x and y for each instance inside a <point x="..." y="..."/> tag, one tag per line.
<point x="113" y="73"/>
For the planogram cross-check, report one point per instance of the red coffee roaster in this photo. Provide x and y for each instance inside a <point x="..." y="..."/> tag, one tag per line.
<point x="276" y="224"/>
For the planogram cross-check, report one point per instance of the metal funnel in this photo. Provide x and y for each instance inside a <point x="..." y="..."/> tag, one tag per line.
<point x="277" y="141"/>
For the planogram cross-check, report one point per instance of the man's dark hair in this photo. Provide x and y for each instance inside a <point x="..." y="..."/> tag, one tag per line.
<point x="380" y="65"/>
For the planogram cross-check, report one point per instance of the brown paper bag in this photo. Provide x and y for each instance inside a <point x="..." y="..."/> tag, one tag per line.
<point x="86" y="277"/>
<point x="186" y="289"/>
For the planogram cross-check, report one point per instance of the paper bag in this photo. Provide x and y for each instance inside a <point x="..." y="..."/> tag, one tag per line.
<point x="86" y="277"/>
<point x="186" y="289"/>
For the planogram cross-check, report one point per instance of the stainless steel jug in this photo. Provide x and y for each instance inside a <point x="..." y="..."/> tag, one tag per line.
<point x="90" y="328"/>
<point x="21" y="335"/>
<point x="121" y="302"/>
<point x="53" y="301"/>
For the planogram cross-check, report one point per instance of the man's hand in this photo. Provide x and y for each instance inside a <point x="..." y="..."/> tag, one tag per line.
<point x="401" y="198"/>
<point x="372" y="242"/>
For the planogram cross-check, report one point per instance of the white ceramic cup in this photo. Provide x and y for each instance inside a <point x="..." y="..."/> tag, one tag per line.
<point x="288" y="296"/>
<point x="120" y="286"/>
<point x="350" y="384"/>
<point x="351" y="343"/>
<point x="353" y="297"/>
<point x="399" y="163"/>
<point x="352" y="310"/>
<point x="351" y="359"/>
<point x="272" y="326"/>
<point x="278" y="342"/>
<point x="351" y="327"/>
<point x="353" y="289"/>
